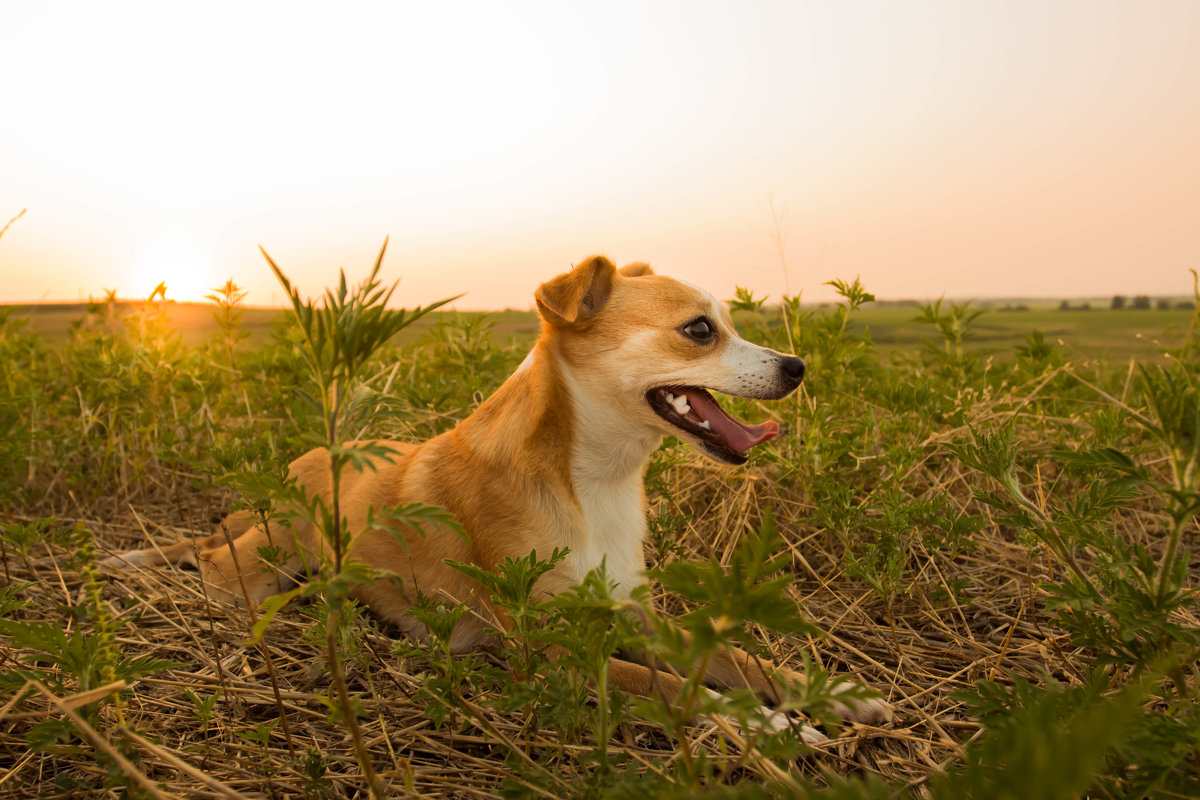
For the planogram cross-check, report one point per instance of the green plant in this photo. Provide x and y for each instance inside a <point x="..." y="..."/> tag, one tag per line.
<point x="20" y="537"/>
<point x="954" y="325"/>
<point x="86" y="663"/>
<point x="1114" y="596"/>
<point x="931" y="578"/>
<point x="317" y="785"/>
<point x="1045" y="743"/>
<point x="442" y="688"/>
<point x="205" y="708"/>
<point x="340" y="338"/>
<point x="1037" y="353"/>
<point x="228" y="315"/>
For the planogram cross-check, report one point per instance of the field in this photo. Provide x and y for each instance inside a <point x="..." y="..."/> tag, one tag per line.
<point x="991" y="521"/>
<point x="1100" y="333"/>
<point x="195" y="324"/>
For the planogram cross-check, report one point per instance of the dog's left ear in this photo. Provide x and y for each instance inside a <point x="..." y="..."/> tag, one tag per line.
<point x="577" y="295"/>
<point x="636" y="270"/>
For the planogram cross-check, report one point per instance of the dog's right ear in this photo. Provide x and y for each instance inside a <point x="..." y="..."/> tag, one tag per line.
<point x="636" y="270"/>
<point x="577" y="295"/>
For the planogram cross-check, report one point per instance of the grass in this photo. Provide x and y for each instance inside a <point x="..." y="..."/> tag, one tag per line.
<point x="195" y="325"/>
<point x="996" y="531"/>
<point x="1096" y="334"/>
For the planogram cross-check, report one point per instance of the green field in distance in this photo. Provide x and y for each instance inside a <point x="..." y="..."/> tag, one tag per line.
<point x="1097" y="333"/>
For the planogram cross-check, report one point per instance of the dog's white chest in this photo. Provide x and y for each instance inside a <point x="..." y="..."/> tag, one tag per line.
<point x="616" y="526"/>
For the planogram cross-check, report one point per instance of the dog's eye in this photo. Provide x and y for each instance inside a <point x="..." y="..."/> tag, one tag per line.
<point x="700" y="329"/>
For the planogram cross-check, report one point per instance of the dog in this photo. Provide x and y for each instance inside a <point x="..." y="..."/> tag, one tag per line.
<point x="555" y="458"/>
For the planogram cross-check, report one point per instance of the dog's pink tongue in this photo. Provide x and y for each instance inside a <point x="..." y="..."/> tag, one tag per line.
<point x="738" y="435"/>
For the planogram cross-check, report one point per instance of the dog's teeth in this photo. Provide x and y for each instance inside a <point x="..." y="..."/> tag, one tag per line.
<point x="706" y="425"/>
<point x="681" y="404"/>
<point x="670" y="398"/>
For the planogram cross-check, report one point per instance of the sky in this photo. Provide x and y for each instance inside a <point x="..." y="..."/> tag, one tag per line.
<point x="968" y="149"/>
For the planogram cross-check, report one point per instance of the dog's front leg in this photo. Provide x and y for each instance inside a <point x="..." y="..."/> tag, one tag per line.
<point x="253" y="566"/>
<point x="651" y="682"/>
<point x="734" y="668"/>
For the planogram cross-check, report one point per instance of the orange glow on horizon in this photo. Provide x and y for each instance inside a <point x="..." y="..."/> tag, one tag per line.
<point x="962" y="149"/>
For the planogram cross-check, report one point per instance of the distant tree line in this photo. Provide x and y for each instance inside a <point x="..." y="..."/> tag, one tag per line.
<point x="1142" y="302"/>
<point x="1139" y="302"/>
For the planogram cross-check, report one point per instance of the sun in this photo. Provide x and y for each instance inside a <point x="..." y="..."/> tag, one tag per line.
<point x="189" y="276"/>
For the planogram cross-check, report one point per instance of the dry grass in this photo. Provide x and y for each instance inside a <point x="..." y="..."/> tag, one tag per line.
<point x="956" y="616"/>
<point x="916" y="650"/>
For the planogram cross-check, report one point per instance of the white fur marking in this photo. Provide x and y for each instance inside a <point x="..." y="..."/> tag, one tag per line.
<point x="755" y="369"/>
<point x="607" y="462"/>
<point x="616" y="526"/>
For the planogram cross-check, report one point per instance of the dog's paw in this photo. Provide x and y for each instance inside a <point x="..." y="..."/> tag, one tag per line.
<point x="868" y="711"/>
<point x="769" y="721"/>
<point x="775" y="721"/>
<point x="772" y="721"/>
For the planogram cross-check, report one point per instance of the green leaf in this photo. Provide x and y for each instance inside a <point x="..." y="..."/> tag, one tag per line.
<point x="271" y="606"/>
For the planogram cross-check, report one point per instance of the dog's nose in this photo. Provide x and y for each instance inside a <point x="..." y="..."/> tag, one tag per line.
<point x="793" y="367"/>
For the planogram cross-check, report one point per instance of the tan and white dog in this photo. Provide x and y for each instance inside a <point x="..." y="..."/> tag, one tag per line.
<point x="554" y="458"/>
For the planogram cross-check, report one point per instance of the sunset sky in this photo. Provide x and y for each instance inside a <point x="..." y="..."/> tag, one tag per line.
<point x="970" y="149"/>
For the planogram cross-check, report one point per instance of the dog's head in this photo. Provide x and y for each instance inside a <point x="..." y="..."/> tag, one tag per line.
<point x="644" y="350"/>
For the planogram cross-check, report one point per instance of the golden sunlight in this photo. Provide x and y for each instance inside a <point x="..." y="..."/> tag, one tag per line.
<point x="189" y="276"/>
<point x="971" y="149"/>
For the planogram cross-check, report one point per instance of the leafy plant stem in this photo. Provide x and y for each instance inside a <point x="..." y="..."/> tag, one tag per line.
<point x="602" y="718"/>
<point x="333" y="622"/>
<point x="1178" y="522"/>
<point x="263" y="649"/>
<point x="1056" y="543"/>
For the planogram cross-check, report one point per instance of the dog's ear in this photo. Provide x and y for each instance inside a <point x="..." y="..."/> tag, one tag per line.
<point x="578" y="294"/>
<point x="636" y="270"/>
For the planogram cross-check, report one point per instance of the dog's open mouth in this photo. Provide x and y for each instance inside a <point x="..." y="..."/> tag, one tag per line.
<point x="694" y="411"/>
